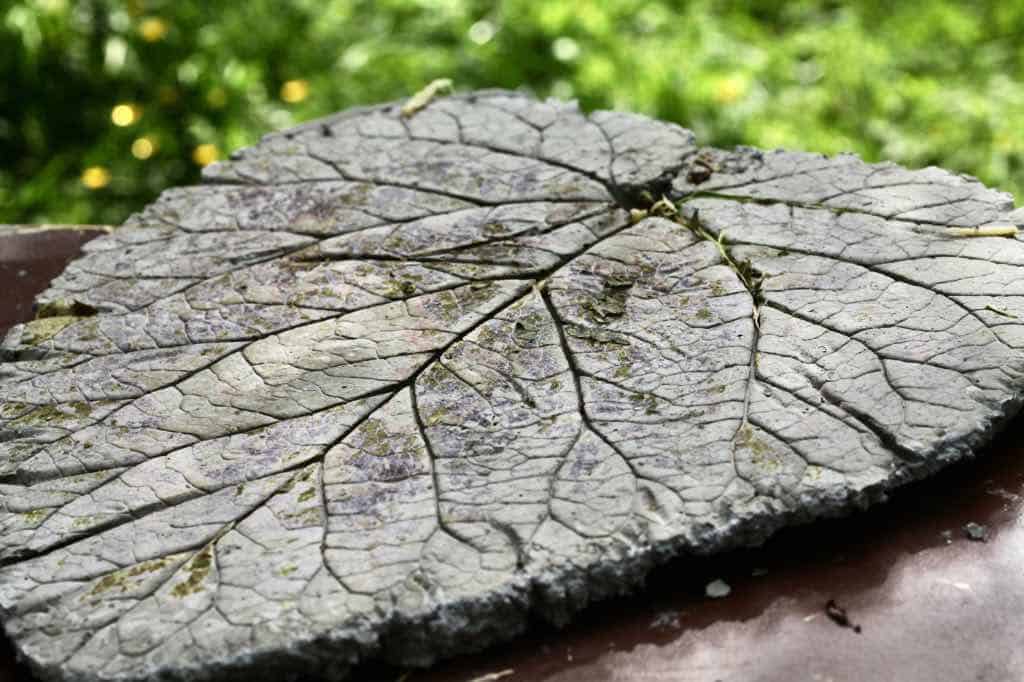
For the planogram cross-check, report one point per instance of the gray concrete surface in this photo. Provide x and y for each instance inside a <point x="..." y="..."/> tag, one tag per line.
<point x="384" y="385"/>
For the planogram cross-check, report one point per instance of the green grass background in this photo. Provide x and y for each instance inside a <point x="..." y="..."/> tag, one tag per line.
<point x="924" y="82"/>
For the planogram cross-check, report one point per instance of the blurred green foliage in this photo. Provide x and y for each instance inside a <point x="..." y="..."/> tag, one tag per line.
<point x="928" y="82"/>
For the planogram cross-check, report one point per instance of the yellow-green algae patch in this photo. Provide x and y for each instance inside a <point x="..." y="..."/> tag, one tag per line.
<point x="38" y="331"/>
<point x="375" y="438"/>
<point x="45" y="414"/>
<point x="119" y="579"/>
<point x="198" y="569"/>
<point x="761" y="452"/>
<point x="35" y="516"/>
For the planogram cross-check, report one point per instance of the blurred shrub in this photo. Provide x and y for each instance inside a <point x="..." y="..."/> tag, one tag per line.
<point x="105" y="102"/>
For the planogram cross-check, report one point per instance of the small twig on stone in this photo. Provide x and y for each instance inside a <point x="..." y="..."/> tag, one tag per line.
<point x="440" y="86"/>
<point x="997" y="311"/>
<point x="984" y="231"/>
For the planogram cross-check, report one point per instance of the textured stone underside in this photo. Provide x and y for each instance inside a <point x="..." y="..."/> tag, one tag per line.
<point x="382" y="385"/>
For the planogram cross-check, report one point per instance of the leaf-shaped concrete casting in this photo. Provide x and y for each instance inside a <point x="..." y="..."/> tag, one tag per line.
<point x="385" y="383"/>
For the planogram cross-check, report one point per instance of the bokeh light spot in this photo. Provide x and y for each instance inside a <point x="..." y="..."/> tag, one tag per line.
<point x="729" y="89"/>
<point x="95" y="177"/>
<point x="565" y="49"/>
<point x="354" y="58"/>
<point x="481" y="32"/>
<point x="205" y="154"/>
<point x="294" y="91"/>
<point x="153" y="29"/>
<point x="125" y="115"/>
<point x="143" y="148"/>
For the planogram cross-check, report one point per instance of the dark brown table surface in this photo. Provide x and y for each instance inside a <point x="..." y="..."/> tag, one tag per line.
<point x="932" y="604"/>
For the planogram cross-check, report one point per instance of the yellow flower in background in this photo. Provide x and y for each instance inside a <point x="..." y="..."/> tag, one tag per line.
<point x="124" y="115"/>
<point x="143" y="148"/>
<point x="205" y="154"/>
<point x="95" y="177"/>
<point x="153" y="29"/>
<point x="294" y="91"/>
